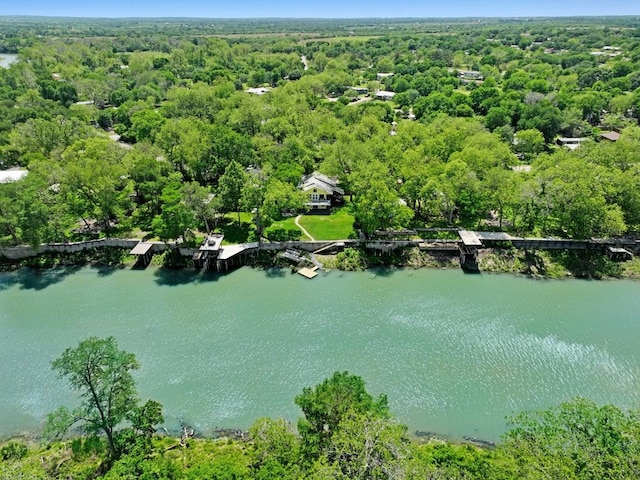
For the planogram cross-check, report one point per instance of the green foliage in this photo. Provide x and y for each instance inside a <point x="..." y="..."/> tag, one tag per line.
<point x="277" y="234"/>
<point x="576" y="440"/>
<point x="329" y="404"/>
<point x="13" y="451"/>
<point x="176" y="216"/>
<point x="351" y="260"/>
<point x="275" y="450"/>
<point x="230" y="187"/>
<point x="102" y="375"/>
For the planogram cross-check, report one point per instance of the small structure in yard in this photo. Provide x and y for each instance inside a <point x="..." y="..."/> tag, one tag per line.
<point x="384" y="95"/>
<point x="323" y="192"/>
<point x="144" y="252"/>
<point x="570" y="143"/>
<point x="208" y="251"/>
<point x="360" y="90"/>
<point x="619" y="254"/>
<point x="611" y="136"/>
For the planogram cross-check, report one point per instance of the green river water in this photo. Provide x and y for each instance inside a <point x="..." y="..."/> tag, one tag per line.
<point x="455" y="353"/>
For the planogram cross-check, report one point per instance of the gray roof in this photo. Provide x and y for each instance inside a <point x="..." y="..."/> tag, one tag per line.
<point x="318" y="180"/>
<point x="613" y="136"/>
<point x="141" y="249"/>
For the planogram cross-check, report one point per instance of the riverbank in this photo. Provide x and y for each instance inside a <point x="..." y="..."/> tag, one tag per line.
<point x="534" y="264"/>
<point x="584" y="264"/>
<point x="276" y="454"/>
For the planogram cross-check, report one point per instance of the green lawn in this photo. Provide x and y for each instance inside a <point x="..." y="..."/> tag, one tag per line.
<point x="337" y="226"/>
<point x="289" y="223"/>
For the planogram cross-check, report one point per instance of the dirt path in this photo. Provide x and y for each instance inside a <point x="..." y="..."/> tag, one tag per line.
<point x="302" y="228"/>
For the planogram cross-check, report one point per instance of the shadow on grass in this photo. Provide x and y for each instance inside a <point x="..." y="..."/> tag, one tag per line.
<point x="35" y="278"/>
<point x="234" y="232"/>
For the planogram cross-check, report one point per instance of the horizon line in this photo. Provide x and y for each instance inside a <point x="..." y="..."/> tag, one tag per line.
<point x="516" y="17"/>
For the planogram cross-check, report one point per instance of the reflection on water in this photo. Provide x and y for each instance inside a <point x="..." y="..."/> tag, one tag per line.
<point x="454" y="353"/>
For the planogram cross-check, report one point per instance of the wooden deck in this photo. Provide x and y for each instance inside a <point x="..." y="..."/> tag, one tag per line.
<point x="469" y="239"/>
<point x="141" y="249"/>
<point x="308" y="272"/>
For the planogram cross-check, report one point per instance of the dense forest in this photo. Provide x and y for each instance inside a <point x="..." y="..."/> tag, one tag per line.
<point x="344" y="432"/>
<point x="467" y="138"/>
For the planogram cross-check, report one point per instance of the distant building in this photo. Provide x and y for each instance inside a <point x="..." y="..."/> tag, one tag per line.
<point x="570" y="143"/>
<point x="322" y="191"/>
<point x="360" y="90"/>
<point x="381" y="76"/>
<point x="384" y="95"/>
<point x="470" y="75"/>
<point x="258" y="90"/>
<point x="12" y="175"/>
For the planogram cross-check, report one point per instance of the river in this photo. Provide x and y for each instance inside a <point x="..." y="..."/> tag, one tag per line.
<point x="455" y="353"/>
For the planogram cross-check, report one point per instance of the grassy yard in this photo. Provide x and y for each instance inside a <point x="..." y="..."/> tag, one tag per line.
<point x="291" y="224"/>
<point x="234" y="233"/>
<point x="337" y="226"/>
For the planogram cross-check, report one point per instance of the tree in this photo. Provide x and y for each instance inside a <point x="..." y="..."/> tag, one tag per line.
<point x="94" y="181"/>
<point x="176" y="216"/>
<point x="544" y="116"/>
<point x="275" y="449"/>
<point x="529" y="143"/>
<point x="230" y="187"/>
<point x="327" y="405"/>
<point x="575" y="440"/>
<point x="370" y="447"/>
<point x="269" y="198"/>
<point x="497" y="117"/>
<point x="377" y="205"/>
<point x="101" y="373"/>
<point x="201" y="202"/>
<point x="145" y="125"/>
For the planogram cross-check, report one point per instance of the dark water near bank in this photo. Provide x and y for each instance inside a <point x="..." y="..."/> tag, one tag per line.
<point x="454" y="353"/>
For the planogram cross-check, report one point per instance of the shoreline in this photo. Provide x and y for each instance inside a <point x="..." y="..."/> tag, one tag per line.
<point x="526" y="263"/>
<point x="237" y="434"/>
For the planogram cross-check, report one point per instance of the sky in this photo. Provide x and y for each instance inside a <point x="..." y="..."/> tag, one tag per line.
<point x="318" y="9"/>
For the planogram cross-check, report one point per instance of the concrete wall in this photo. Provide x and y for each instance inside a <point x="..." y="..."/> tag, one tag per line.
<point x="18" y="253"/>
<point x="385" y="246"/>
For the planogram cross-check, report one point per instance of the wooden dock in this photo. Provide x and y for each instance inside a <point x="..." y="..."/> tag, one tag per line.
<point x="308" y="272"/>
<point x="144" y="252"/>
